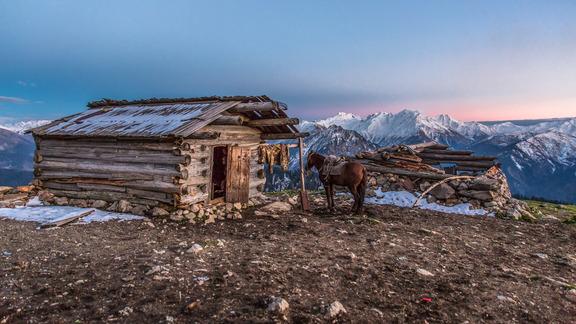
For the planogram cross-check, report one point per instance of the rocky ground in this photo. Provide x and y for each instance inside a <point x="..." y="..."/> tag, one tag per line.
<point x="394" y="265"/>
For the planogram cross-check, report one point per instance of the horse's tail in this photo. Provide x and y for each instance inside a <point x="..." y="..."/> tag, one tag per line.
<point x="363" y="186"/>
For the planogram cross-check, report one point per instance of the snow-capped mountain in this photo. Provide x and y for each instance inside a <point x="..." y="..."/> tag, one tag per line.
<point x="16" y="153"/>
<point x="539" y="165"/>
<point x="21" y="126"/>
<point x="538" y="156"/>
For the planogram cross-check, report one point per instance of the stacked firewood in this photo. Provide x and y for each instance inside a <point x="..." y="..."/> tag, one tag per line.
<point x="458" y="160"/>
<point x="428" y="160"/>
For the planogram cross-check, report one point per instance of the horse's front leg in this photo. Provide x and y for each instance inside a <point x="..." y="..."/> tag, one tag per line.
<point x="332" y="196"/>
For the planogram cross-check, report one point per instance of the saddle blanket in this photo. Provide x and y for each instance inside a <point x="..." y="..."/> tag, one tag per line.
<point x="333" y="166"/>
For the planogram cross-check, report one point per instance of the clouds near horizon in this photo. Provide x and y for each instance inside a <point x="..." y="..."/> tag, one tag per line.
<point x="472" y="59"/>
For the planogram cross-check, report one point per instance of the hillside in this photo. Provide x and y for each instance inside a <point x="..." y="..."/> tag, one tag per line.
<point x="396" y="265"/>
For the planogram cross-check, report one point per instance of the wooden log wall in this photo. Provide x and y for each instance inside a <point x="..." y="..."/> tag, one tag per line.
<point x="148" y="172"/>
<point x="174" y="173"/>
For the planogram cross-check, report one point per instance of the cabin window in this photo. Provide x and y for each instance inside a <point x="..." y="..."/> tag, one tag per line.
<point x="219" y="170"/>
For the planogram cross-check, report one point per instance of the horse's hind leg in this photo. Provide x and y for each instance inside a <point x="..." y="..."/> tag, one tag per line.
<point x="356" y="196"/>
<point x="327" y="191"/>
<point x="332" y="196"/>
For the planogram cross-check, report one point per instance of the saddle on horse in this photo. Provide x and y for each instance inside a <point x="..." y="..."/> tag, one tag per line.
<point x="333" y="165"/>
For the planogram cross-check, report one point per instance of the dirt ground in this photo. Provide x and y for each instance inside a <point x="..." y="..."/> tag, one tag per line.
<point x="399" y="265"/>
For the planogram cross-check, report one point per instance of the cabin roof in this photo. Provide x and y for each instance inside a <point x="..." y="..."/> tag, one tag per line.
<point x="180" y="117"/>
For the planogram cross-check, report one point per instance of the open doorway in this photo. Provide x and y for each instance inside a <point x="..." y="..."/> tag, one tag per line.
<point x="219" y="172"/>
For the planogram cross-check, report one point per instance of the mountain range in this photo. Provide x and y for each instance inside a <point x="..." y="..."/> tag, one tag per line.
<point x="538" y="156"/>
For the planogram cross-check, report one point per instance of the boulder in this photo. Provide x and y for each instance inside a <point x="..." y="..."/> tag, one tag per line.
<point x="479" y="195"/>
<point x="484" y="184"/>
<point x="443" y="191"/>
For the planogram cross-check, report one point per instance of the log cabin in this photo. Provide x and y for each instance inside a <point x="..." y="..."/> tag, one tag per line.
<point x="161" y="152"/>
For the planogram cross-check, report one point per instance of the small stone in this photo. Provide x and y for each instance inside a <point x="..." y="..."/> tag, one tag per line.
<point x="335" y="309"/>
<point x="177" y="217"/>
<point x="238" y="206"/>
<point x="229" y="207"/>
<point x="100" y="204"/>
<point x="123" y="206"/>
<point x="61" y="201"/>
<point x="278" y="306"/>
<point x="195" y="248"/>
<point x="126" y="311"/>
<point x="195" y="208"/>
<point x="159" y="212"/>
<point x="541" y="255"/>
<point x="139" y="210"/>
<point x="425" y="273"/>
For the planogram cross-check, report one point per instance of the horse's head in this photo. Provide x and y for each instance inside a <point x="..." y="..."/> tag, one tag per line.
<point x="314" y="160"/>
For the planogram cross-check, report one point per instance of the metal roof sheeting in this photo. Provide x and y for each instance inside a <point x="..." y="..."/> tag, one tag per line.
<point x="173" y="119"/>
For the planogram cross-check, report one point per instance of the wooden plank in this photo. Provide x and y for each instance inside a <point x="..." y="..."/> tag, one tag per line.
<point x="67" y="219"/>
<point x="272" y="122"/>
<point x="275" y="136"/>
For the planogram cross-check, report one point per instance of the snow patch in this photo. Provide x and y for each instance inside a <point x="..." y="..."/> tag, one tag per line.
<point x="35" y="212"/>
<point x="407" y="199"/>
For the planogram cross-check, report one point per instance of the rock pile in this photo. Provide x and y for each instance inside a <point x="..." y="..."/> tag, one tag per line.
<point x="15" y="197"/>
<point x="489" y="191"/>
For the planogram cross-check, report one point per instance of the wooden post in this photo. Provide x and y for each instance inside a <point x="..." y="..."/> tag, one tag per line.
<point x="303" y="195"/>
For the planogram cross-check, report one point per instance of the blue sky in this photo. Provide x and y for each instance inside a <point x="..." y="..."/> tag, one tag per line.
<point x="476" y="60"/>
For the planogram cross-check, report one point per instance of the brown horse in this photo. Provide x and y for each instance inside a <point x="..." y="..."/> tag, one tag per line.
<point x="353" y="176"/>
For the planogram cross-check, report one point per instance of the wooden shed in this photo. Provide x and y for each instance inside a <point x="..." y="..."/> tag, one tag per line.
<point x="161" y="152"/>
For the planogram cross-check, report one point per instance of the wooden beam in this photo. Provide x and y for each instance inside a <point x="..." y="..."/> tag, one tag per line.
<point x="255" y="106"/>
<point x="67" y="219"/>
<point x="304" y="202"/>
<point x="450" y="158"/>
<point x="277" y="136"/>
<point x="481" y="164"/>
<point x="447" y="152"/>
<point x="229" y="120"/>
<point x="273" y="122"/>
<point x="204" y="135"/>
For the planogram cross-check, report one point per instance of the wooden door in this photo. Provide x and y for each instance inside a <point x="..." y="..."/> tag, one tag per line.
<point x="238" y="185"/>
